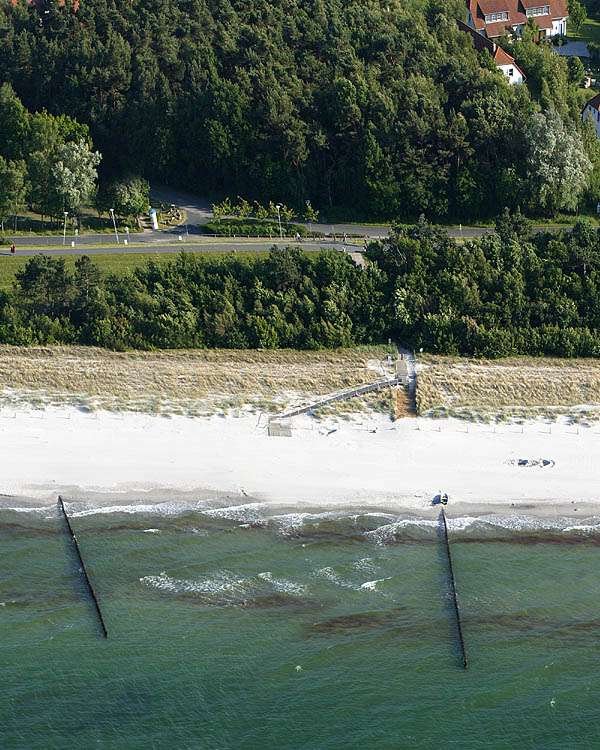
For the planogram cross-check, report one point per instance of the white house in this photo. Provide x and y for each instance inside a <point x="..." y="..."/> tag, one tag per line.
<point x="503" y="60"/>
<point x="592" y="109"/>
<point x="496" y="17"/>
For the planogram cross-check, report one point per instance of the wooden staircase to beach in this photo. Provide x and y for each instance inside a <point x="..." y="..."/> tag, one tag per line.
<point x="406" y="405"/>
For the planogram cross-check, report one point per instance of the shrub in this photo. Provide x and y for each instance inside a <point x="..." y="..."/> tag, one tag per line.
<point x="253" y="228"/>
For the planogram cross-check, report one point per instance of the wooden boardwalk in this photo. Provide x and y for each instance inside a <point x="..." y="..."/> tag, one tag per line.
<point x="349" y="393"/>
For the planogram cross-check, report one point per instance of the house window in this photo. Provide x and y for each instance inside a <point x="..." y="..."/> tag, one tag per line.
<point x="493" y="17"/>
<point x="510" y="72"/>
<point x="543" y="10"/>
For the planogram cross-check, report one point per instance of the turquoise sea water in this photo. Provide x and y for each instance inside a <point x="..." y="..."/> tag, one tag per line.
<point x="242" y="628"/>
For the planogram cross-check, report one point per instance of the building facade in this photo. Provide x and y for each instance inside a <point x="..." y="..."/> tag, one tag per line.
<point x="503" y="60"/>
<point x="592" y="111"/>
<point x="497" y="17"/>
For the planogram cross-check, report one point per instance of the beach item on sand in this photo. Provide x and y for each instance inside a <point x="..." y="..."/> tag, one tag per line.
<point x="444" y="498"/>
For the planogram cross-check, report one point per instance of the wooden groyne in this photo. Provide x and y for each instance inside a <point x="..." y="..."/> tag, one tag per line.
<point x="83" y="568"/>
<point x="453" y="582"/>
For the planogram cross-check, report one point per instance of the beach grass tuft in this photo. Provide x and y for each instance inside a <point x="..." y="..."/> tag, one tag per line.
<point x="513" y="389"/>
<point x="189" y="382"/>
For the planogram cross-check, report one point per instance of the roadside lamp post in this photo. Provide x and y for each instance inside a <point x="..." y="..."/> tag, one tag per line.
<point x="66" y="213"/>
<point x="279" y="220"/>
<point x="112" y="213"/>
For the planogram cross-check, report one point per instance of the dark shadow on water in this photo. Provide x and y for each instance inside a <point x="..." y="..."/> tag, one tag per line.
<point x="446" y="586"/>
<point x="75" y="567"/>
<point x="359" y="622"/>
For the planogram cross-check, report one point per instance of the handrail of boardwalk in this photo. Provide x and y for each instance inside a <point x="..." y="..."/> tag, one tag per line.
<point x="83" y="568"/>
<point x="356" y="391"/>
<point x="453" y="581"/>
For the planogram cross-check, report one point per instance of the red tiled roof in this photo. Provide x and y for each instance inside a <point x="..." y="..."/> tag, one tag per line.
<point x="501" y="57"/>
<point x="481" y="43"/>
<point x="594" y="102"/>
<point x="516" y="14"/>
<point x="39" y="3"/>
<point x="495" y="6"/>
<point x="496" y="29"/>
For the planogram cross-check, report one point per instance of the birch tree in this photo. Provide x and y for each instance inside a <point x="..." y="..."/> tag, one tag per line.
<point x="75" y="175"/>
<point x="557" y="164"/>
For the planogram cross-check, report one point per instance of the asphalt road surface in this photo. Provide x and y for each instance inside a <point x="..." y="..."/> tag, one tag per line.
<point x="199" y="212"/>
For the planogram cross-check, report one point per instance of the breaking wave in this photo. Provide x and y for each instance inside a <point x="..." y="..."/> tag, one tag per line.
<point x="315" y="526"/>
<point x="224" y="588"/>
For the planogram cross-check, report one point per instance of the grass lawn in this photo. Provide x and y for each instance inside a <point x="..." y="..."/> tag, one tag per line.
<point x="119" y="263"/>
<point x="589" y="32"/>
<point x="29" y="222"/>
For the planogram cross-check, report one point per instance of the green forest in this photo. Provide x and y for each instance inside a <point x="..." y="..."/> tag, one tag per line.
<point x="508" y="292"/>
<point x="382" y="107"/>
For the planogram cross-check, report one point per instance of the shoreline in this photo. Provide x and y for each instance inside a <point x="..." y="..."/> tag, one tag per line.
<point x="366" y="464"/>
<point x="86" y="503"/>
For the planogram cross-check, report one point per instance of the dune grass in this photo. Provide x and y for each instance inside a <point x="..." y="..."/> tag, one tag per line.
<point x="514" y="389"/>
<point x="193" y="383"/>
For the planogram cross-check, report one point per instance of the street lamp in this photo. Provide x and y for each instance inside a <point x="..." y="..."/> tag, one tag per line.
<point x="279" y="220"/>
<point x="66" y="213"/>
<point x="112" y="213"/>
<point x="307" y="201"/>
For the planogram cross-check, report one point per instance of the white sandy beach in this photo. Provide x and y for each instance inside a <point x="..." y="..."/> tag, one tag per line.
<point x="398" y="465"/>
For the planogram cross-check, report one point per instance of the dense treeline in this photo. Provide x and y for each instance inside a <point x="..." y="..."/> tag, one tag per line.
<point x="47" y="161"/>
<point x="44" y="159"/>
<point x="289" y="299"/>
<point x="508" y="292"/>
<point x="380" y="105"/>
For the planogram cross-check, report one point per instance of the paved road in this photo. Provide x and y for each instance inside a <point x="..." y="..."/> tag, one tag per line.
<point x="573" y="49"/>
<point x="189" y="233"/>
<point x="169" y="240"/>
<point x="198" y="212"/>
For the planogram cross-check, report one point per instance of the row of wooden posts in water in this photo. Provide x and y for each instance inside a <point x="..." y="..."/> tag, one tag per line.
<point x="105" y="632"/>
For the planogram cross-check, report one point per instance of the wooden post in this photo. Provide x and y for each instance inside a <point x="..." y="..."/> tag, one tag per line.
<point x="83" y="568"/>
<point x="453" y="582"/>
